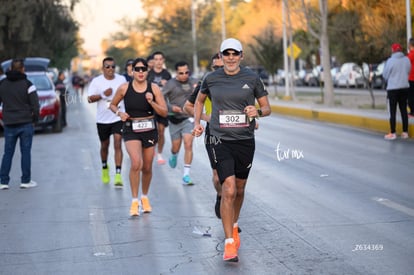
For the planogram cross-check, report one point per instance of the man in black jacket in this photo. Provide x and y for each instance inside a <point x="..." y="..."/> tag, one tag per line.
<point x="20" y="111"/>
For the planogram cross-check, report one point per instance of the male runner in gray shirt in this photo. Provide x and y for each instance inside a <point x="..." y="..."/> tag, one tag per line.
<point x="233" y="91"/>
<point x="176" y="92"/>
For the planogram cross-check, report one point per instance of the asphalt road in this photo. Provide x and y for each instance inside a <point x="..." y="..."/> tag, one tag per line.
<point x="321" y="199"/>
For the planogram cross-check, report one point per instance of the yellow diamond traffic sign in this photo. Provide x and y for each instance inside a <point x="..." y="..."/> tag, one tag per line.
<point x="296" y="50"/>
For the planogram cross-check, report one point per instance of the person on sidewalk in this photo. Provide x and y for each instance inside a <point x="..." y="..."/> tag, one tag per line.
<point x="411" y="78"/>
<point x="233" y="92"/>
<point x="20" y="111"/>
<point x="101" y="90"/>
<point x="216" y="63"/>
<point x="159" y="75"/>
<point x="396" y="71"/>
<point x="176" y="92"/>
<point x="142" y="99"/>
<point x="63" y="93"/>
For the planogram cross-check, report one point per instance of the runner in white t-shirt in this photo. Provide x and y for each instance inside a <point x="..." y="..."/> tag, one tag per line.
<point x="101" y="90"/>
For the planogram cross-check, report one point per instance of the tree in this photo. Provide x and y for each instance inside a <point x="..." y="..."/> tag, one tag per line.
<point x="364" y="30"/>
<point x="38" y="28"/>
<point x="121" y="55"/>
<point x="169" y="27"/>
<point x="321" y="33"/>
<point x="361" y="30"/>
<point x="268" y="50"/>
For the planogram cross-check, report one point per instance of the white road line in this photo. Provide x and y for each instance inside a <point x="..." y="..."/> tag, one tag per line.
<point x="394" y="205"/>
<point x="86" y="159"/>
<point x="99" y="231"/>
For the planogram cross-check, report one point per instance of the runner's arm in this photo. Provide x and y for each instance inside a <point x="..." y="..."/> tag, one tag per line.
<point x="198" y="109"/>
<point x="264" y="106"/>
<point x="119" y="95"/>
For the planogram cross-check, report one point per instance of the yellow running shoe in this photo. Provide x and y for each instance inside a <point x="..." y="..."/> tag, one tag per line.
<point x="118" y="180"/>
<point x="146" y="206"/>
<point x="134" y="210"/>
<point x="105" y="175"/>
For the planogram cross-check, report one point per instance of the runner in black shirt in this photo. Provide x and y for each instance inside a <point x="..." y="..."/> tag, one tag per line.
<point x="233" y="91"/>
<point x="159" y="75"/>
<point x="142" y="100"/>
<point x="216" y="63"/>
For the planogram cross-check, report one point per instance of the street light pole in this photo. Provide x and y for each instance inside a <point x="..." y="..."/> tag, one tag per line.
<point x="285" y="57"/>
<point x="223" y="21"/>
<point x="408" y="20"/>
<point x="194" y="36"/>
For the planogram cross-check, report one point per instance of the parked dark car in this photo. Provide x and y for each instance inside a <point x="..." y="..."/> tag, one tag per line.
<point x="264" y="76"/>
<point x="36" y="69"/>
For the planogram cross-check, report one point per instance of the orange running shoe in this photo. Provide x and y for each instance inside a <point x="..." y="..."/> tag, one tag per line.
<point x="146" y="206"/>
<point x="134" y="210"/>
<point x="161" y="161"/>
<point x="236" y="236"/>
<point x="230" y="252"/>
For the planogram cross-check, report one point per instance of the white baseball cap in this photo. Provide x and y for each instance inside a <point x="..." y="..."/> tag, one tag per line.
<point x="231" y="44"/>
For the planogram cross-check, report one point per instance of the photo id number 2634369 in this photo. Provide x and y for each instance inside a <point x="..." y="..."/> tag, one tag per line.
<point x="368" y="247"/>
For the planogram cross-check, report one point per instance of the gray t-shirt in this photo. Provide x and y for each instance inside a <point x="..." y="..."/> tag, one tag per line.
<point x="230" y="94"/>
<point x="176" y="93"/>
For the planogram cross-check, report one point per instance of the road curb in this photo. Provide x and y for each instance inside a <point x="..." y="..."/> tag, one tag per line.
<point x="354" y="120"/>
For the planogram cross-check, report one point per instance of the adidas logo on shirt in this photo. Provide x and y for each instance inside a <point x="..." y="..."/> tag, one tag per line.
<point x="245" y="86"/>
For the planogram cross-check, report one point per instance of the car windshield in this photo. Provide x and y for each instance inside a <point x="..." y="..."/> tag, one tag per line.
<point x="41" y="82"/>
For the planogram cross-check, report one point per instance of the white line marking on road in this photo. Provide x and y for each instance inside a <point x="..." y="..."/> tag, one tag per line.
<point x="99" y="230"/>
<point x="394" y="205"/>
<point x="86" y="159"/>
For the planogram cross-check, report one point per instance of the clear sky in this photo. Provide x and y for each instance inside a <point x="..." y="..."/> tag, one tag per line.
<point x="98" y="19"/>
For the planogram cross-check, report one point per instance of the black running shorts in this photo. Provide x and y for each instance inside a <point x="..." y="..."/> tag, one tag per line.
<point x="233" y="158"/>
<point x="148" y="139"/>
<point x="106" y="130"/>
<point x="162" y="120"/>
<point x="208" y="140"/>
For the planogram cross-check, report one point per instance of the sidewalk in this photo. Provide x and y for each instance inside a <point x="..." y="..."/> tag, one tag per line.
<point x="308" y="106"/>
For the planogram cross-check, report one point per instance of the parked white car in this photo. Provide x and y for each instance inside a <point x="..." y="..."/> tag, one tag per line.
<point x="350" y="75"/>
<point x="280" y="78"/>
<point x="378" y="82"/>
